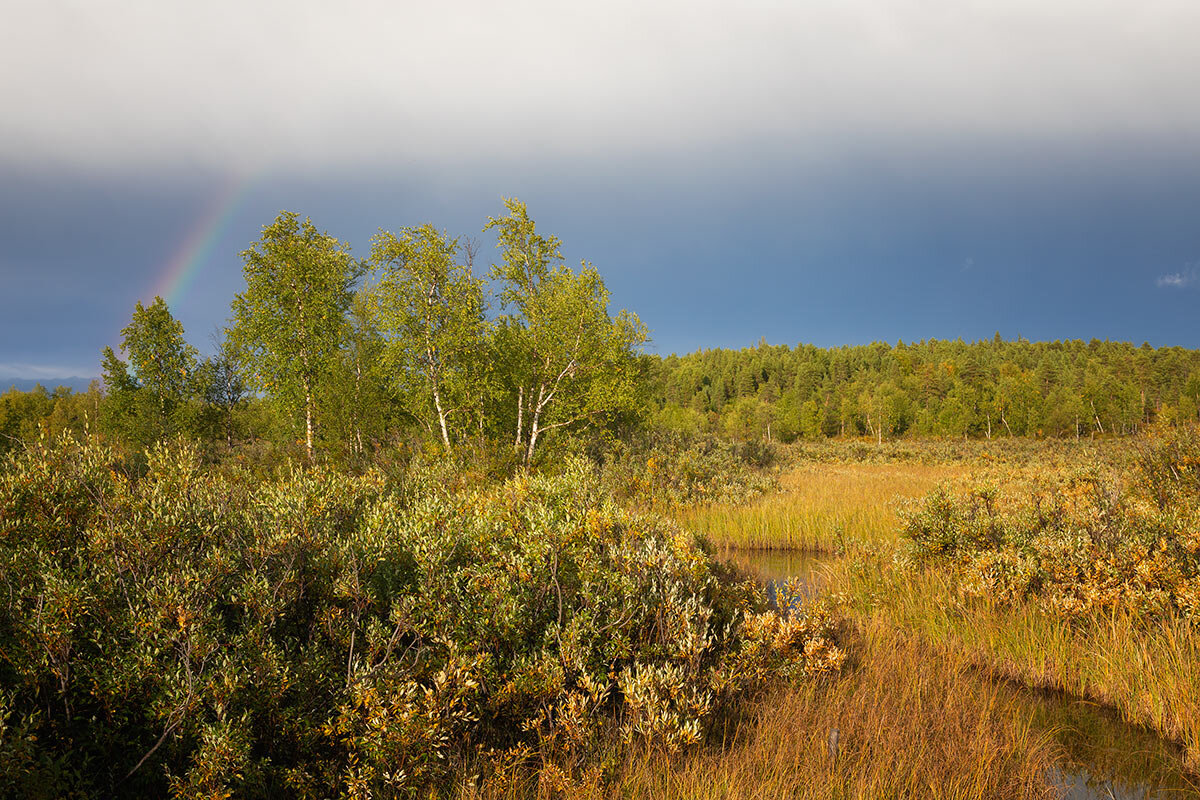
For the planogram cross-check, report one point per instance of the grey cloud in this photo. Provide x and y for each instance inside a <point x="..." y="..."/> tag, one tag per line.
<point x="276" y="84"/>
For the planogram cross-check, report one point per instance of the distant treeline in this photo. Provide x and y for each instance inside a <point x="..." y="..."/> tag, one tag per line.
<point x="328" y="355"/>
<point x="939" y="388"/>
<point x="777" y="393"/>
<point x="27" y="415"/>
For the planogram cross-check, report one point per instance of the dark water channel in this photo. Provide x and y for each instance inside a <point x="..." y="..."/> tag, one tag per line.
<point x="1106" y="758"/>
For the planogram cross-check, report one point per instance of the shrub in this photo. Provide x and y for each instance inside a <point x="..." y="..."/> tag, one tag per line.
<point x="667" y="470"/>
<point x="1077" y="541"/>
<point x="205" y="632"/>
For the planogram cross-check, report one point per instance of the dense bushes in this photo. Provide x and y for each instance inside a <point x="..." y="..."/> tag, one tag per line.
<point x="205" y="633"/>
<point x="666" y="470"/>
<point x="1078" y="540"/>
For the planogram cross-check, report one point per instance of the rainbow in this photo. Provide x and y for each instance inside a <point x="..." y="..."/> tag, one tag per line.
<point x="192" y="253"/>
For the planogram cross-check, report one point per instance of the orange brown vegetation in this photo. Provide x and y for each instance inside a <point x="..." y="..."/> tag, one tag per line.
<point x="1075" y="578"/>
<point x="905" y="729"/>
<point x="821" y="507"/>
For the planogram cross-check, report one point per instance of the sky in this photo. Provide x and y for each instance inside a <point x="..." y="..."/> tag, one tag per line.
<point x="833" y="173"/>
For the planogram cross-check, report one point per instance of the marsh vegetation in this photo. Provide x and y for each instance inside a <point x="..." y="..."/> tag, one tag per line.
<point x="408" y="532"/>
<point x="1064" y="572"/>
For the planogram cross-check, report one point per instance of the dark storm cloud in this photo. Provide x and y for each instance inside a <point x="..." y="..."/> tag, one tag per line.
<point x="864" y="248"/>
<point x="806" y="171"/>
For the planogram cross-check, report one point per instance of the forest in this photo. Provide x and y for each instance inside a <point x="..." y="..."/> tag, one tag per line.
<point x="778" y="393"/>
<point x="931" y="388"/>
<point x="417" y="528"/>
<point x="413" y="346"/>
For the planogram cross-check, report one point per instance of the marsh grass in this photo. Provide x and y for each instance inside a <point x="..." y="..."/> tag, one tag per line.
<point x="821" y="507"/>
<point x="911" y="723"/>
<point x="1148" y="671"/>
<point x="1145" y="668"/>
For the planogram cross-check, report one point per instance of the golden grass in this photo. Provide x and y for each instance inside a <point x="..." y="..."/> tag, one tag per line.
<point x="820" y="507"/>
<point x="1149" y="671"/>
<point x="910" y="724"/>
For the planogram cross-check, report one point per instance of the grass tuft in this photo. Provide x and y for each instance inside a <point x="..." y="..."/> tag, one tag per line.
<point x="820" y="507"/>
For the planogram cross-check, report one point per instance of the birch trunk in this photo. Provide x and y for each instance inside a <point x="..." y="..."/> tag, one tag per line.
<point x="308" y="418"/>
<point x="533" y="423"/>
<point x="437" y="403"/>
<point x="520" y="415"/>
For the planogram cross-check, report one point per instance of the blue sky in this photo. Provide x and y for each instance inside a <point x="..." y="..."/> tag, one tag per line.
<point x="804" y="172"/>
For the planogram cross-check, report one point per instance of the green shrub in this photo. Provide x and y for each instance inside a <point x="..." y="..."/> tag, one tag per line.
<point x="204" y="632"/>
<point x="667" y="470"/>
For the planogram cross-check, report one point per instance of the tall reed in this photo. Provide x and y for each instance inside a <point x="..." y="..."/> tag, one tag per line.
<point x="910" y="723"/>
<point x="1148" y="671"/>
<point x="820" y="507"/>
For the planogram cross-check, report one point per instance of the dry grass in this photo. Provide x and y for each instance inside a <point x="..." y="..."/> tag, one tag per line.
<point x="910" y="724"/>
<point x="1149" y="672"/>
<point x="821" y="507"/>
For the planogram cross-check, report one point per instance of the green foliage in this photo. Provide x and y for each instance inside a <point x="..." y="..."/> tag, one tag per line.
<point x="987" y="389"/>
<point x="289" y="323"/>
<point x="568" y="360"/>
<point x="359" y="409"/>
<point x="163" y="362"/>
<point x="429" y="309"/>
<point x="154" y="395"/>
<point x="418" y="346"/>
<point x="667" y="471"/>
<point x="224" y="392"/>
<point x="26" y="417"/>
<point x="197" y="632"/>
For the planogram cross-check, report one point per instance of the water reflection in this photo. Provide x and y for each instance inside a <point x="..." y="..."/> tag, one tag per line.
<point x="1106" y="758"/>
<point x="773" y="567"/>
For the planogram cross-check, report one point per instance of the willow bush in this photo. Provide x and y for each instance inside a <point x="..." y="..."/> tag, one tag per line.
<point x="204" y="632"/>
<point x="1077" y="540"/>
<point x="667" y="471"/>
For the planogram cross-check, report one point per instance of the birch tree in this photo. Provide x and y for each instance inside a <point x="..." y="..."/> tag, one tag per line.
<point x="429" y="308"/>
<point x="147" y="396"/>
<point x="288" y="324"/>
<point x="571" y="361"/>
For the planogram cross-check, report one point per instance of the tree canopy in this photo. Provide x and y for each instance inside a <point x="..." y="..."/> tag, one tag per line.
<point x="989" y="388"/>
<point x="429" y="309"/>
<point x="569" y="360"/>
<point x="148" y="393"/>
<point x="288" y="324"/>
